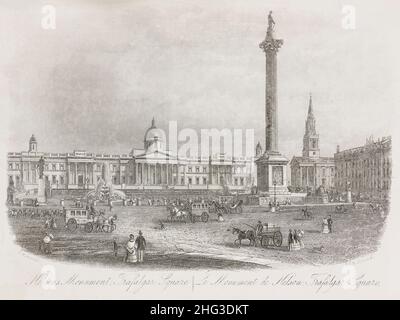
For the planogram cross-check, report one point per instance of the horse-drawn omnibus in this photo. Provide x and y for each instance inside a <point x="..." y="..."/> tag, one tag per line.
<point x="199" y="212"/>
<point x="189" y="212"/>
<point x="76" y="217"/>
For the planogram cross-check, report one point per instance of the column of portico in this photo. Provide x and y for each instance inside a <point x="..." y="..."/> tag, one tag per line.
<point x="76" y="173"/>
<point x="168" y="174"/>
<point x="85" y="176"/>
<point x="176" y="175"/>
<point x="142" y="173"/>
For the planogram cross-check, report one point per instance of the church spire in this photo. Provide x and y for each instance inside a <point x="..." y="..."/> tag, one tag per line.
<point x="153" y="123"/>
<point x="311" y="138"/>
<point x="310" y="108"/>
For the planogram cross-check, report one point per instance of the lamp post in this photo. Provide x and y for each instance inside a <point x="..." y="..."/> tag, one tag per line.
<point x="274" y="193"/>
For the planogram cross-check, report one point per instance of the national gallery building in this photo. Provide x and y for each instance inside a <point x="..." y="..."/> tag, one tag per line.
<point x="152" y="167"/>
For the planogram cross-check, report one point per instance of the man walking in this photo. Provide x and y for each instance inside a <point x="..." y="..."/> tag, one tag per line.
<point x="330" y="223"/>
<point x="290" y="240"/>
<point x="115" y="246"/>
<point x="141" y="246"/>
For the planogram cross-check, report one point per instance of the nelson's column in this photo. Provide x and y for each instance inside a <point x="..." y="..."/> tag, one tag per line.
<point x="271" y="165"/>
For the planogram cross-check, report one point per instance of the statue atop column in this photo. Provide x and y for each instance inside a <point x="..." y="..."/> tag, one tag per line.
<point x="270" y="44"/>
<point x="271" y="22"/>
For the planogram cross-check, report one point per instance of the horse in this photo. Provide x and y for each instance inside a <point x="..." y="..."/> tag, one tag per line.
<point x="109" y="224"/>
<point x="244" y="235"/>
<point x="179" y="214"/>
<point x="98" y="221"/>
<point x="217" y="207"/>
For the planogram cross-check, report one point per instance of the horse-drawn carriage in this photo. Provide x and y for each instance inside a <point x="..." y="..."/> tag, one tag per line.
<point x="341" y="208"/>
<point x="78" y="217"/>
<point x="270" y="235"/>
<point x="188" y="212"/>
<point x="199" y="212"/>
<point x="267" y="236"/>
<point x="226" y="208"/>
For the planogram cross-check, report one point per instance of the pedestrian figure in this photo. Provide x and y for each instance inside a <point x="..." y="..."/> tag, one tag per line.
<point x="296" y="241"/>
<point x="330" y="223"/>
<point x="259" y="228"/>
<point x="141" y="246"/>
<point x="290" y="240"/>
<point x="115" y="247"/>
<point x="325" y="226"/>
<point x="130" y="247"/>
<point x="300" y="234"/>
<point x="45" y="243"/>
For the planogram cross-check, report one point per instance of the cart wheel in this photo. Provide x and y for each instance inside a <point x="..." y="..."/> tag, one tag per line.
<point x="264" y="241"/>
<point x="277" y="239"/>
<point x="72" y="225"/>
<point x="88" y="227"/>
<point x="204" y="217"/>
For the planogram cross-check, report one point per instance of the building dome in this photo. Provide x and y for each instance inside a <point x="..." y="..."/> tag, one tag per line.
<point x="32" y="144"/>
<point x="32" y="139"/>
<point x="153" y="136"/>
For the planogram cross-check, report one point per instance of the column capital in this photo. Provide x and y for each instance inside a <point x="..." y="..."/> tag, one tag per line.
<point x="270" y="44"/>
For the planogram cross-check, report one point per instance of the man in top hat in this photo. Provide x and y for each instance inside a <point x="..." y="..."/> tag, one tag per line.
<point x="141" y="246"/>
<point x="259" y="228"/>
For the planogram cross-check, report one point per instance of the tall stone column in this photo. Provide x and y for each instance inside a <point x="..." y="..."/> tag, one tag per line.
<point x="270" y="46"/>
<point x="271" y="166"/>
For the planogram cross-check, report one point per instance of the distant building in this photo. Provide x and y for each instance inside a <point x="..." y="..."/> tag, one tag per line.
<point x="367" y="170"/>
<point x="152" y="167"/>
<point x="311" y="171"/>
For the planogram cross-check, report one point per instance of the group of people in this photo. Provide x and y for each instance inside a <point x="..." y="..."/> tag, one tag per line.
<point x="134" y="248"/>
<point x="34" y="212"/>
<point x="295" y="241"/>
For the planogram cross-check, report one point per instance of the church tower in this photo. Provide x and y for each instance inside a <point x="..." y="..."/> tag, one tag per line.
<point x="32" y="144"/>
<point x="311" y="138"/>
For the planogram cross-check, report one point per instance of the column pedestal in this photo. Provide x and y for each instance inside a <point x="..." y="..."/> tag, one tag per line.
<point x="271" y="167"/>
<point x="41" y="196"/>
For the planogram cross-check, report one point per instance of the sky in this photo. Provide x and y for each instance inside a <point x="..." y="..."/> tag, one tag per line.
<point x="95" y="81"/>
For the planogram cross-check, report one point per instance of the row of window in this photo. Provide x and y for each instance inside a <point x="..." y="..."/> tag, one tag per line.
<point x="47" y="167"/>
<point x="113" y="168"/>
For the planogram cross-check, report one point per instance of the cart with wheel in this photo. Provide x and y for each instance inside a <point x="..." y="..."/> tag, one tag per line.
<point x="76" y="217"/>
<point x="199" y="212"/>
<point x="270" y="236"/>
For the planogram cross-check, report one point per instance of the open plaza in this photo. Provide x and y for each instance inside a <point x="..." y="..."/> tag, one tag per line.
<point x="211" y="244"/>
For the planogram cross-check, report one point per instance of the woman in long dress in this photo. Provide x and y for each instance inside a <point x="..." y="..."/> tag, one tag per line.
<point x="130" y="247"/>
<point x="300" y="234"/>
<point x="325" y="226"/>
